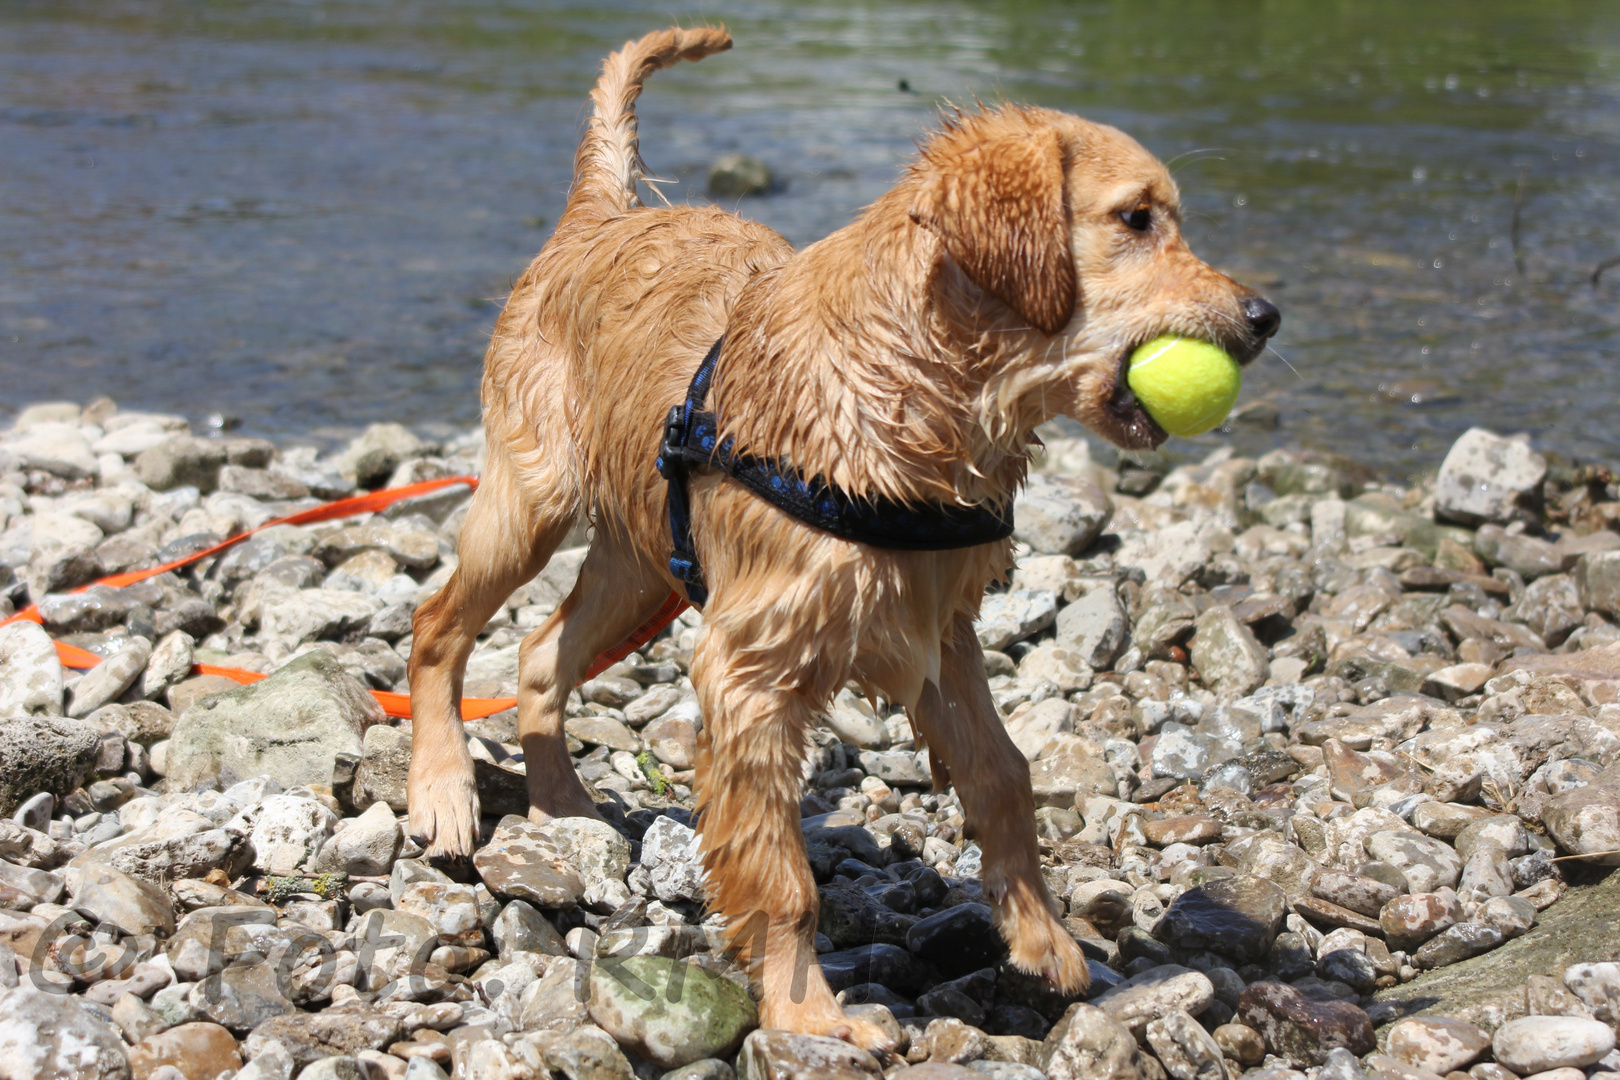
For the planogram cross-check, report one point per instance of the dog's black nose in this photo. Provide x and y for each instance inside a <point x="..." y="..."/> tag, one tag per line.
<point x="1263" y="316"/>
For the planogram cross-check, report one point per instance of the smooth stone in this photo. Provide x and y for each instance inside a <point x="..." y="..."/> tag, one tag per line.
<point x="1237" y="917"/>
<point x="1408" y="921"/>
<point x="520" y="863"/>
<point x="50" y="1036"/>
<point x="1538" y="1043"/>
<point x="333" y="1032"/>
<point x="1155" y="992"/>
<point x="134" y="906"/>
<point x="1088" y="1044"/>
<point x="1303" y="1029"/>
<point x="1456" y="943"/>
<point x="669" y="1011"/>
<point x="290" y="727"/>
<point x="30" y="673"/>
<point x="1427" y="863"/>
<point x="773" y="1054"/>
<point x="197" y="1050"/>
<point x="958" y="940"/>
<point x="1437" y="1044"/>
<point x="1185" y="1049"/>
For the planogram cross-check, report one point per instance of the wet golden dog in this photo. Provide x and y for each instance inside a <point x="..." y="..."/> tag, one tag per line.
<point x="1003" y="281"/>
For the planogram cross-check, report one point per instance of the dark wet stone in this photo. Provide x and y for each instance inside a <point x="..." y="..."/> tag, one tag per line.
<point x="957" y="941"/>
<point x="1300" y="1028"/>
<point x="850" y="915"/>
<point x="1237" y="917"/>
<point x="890" y="965"/>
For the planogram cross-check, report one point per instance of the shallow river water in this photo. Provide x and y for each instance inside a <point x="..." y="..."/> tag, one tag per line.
<point x="305" y="214"/>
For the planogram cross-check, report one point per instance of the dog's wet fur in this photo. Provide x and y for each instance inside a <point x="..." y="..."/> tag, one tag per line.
<point x="1003" y="281"/>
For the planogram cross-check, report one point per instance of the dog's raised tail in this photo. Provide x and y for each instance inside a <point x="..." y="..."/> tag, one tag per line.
<point x="608" y="164"/>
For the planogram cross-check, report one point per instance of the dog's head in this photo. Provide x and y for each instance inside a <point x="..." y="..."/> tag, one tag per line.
<point x="1072" y="228"/>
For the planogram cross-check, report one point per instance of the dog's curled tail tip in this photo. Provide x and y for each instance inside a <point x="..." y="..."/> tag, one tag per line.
<point x="608" y="164"/>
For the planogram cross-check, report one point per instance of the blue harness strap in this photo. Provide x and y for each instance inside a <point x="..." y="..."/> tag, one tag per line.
<point x="691" y="440"/>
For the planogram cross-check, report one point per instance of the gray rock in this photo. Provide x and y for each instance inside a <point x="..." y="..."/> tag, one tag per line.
<point x="179" y="844"/>
<point x="1428" y="864"/>
<point x="1069" y="769"/>
<point x="1012" y="616"/>
<point x="108" y="680"/>
<point x="309" y="1037"/>
<point x="290" y="727"/>
<point x="1456" y="943"/>
<point x="671" y="855"/>
<point x="1088" y="1044"/>
<point x="1528" y="556"/>
<point x="1586" y="820"/>
<point x="142" y="722"/>
<point x="373" y="456"/>
<point x="111" y="897"/>
<point x="1186" y="1050"/>
<point x="850" y="717"/>
<point x="1488" y="478"/>
<point x="1228" y="658"/>
<point x="1597" y="582"/>
<point x="294" y="616"/>
<point x="670" y="1012"/>
<point x="1094" y="627"/>
<point x="773" y="1054"/>
<point x="63" y="554"/>
<point x="30" y="674"/>
<point x="169" y="663"/>
<point x="45" y="1036"/>
<point x="367" y="846"/>
<point x="44" y="753"/>
<point x="1035" y="727"/>
<point x="1185" y="753"/>
<point x="734" y="176"/>
<point x="182" y="460"/>
<point x="384" y="769"/>
<point x="57" y="448"/>
<point x="521" y="928"/>
<point x="1142" y="998"/>
<point x="1060" y="515"/>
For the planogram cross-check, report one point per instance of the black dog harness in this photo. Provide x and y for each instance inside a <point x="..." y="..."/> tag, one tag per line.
<point x="691" y="440"/>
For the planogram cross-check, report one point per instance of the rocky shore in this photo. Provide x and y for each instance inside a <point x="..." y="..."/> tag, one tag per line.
<point x="1328" y="776"/>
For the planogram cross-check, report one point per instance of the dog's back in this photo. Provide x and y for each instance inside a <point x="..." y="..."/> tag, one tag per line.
<point x="604" y="329"/>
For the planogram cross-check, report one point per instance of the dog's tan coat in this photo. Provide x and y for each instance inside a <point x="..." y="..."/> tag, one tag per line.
<point x="910" y="355"/>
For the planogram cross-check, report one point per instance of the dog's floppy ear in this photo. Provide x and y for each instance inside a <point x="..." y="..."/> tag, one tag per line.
<point x="999" y="206"/>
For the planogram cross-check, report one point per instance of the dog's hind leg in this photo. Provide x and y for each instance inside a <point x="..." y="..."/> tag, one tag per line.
<point x="749" y="765"/>
<point x="509" y="534"/>
<point x="616" y="593"/>
<point x="958" y="719"/>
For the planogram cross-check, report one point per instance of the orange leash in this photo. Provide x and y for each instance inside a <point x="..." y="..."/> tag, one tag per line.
<point x="395" y="705"/>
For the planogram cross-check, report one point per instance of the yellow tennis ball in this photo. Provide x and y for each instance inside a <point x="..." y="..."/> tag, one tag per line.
<point x="1187" y="386"/>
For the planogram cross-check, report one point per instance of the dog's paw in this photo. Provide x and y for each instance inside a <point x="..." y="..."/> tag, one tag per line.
<point x="443" y="813"/>
<point x="1041" y="946"/>
<point x="866" y="1035"/>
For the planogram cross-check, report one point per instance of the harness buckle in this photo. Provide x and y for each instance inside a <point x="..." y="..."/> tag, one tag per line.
<point x="670" y="460"/>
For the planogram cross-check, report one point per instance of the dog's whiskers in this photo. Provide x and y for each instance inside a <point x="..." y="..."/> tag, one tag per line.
<point x="1284" y="359"/>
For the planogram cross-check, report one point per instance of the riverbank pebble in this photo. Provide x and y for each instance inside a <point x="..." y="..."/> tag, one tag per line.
<point x="1297" y="737"/>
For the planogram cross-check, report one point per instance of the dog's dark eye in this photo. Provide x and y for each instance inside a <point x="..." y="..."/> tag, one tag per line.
<point x="1140" y="219"/>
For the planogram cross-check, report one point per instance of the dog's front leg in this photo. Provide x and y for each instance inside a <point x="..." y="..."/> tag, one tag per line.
<point x="958" y="718"/>
<point x="749" y="760"/>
